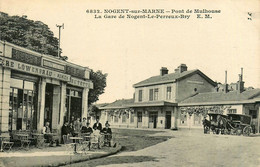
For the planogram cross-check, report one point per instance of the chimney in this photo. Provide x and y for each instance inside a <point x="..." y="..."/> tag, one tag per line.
<point x="163" y="71"/>
<point x="182" y="68"/>
<point x="240" y="82"/>
<point x="225" y="85"/>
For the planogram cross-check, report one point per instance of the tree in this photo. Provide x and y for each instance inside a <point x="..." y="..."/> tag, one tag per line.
<point x="99" y="80"/>
<point x="33" y="35"/>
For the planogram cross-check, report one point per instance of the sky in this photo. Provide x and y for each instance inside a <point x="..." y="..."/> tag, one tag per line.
<point x="130" y="50"/>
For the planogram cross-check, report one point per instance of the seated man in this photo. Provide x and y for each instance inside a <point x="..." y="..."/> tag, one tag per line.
<point x="108" y="134"/>
<point x="50" y="137"/>
<point x="65" y="132"/>
<point x="97" y="125"/>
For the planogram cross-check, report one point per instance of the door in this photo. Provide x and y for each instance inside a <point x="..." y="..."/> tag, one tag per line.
<point x="168" y="120"/>
<point x="153" y="118"/>
<point x="48" y="104"/>
<point x="139" y="119"/>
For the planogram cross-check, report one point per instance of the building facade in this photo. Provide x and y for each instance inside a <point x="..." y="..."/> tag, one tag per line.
<point x="179" y="100"/>
<point x="36" y="88"/>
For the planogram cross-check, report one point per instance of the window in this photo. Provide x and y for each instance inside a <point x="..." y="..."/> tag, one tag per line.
<point x="151" y="95"/>
<point x="169" y="93"/>
<point x="183" y="119"/>
<point x="197" y="119"/>
<point x="124" y="118"/>
<point x="115" y="119"/>
<point x="156" y="92"/>
<point x="140" y="97"/>
<point x="232" y="111"/>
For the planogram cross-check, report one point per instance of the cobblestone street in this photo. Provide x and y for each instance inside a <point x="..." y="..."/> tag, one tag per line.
<point x="190" y="148"/>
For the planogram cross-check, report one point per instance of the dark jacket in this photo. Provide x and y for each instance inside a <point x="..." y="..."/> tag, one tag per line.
<point x="107" y="130"/>
<point x="65" y="130"/>
<point x="85" y="129"/>
<point x="98" y="126"/>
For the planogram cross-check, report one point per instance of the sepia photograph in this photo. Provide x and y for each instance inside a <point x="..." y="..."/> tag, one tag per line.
<point x="133" y="83"/>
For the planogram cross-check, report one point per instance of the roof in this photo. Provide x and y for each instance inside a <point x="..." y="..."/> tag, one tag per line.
<point x="222" y="97"/>
<point x="172" y="77"/>
<point x="152" y="104"/>
<point x="118" y="104"/>
<point x="101" y="105"/>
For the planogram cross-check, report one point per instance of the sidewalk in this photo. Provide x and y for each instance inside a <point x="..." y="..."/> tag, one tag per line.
<point x="51" y="156"/>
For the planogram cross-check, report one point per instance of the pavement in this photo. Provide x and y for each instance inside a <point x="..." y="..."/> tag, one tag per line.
<point x="51" y="156"/>
<point x="190" y="148"/>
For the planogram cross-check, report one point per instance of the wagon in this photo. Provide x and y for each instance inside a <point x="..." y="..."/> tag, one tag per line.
<point x="240" y="124"/>
<point x="216" y="123"/>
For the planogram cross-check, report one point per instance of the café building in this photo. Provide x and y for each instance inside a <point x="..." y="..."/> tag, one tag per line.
<point x="36" y="88"/>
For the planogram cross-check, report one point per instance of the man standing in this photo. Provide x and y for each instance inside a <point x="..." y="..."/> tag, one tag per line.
<point x="97" y="125"/>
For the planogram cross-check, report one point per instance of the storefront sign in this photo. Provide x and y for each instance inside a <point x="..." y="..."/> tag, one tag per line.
<point x="80" y="83"/>
<point x="26" y="57"/>
<point x="76" y="72"/>
<point x="27" y="68"/>
<point x="53" y="65"/>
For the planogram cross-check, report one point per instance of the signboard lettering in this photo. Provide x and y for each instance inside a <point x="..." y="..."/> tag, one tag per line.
<point x="53" y="65"/>
<point x="19" y="66"/>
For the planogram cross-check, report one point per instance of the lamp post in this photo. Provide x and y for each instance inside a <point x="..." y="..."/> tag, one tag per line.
<point x="59" y="26"/>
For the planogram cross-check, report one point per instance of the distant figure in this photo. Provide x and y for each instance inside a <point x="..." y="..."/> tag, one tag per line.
<point x="108" y="134"/>
<point x="65" y="132"/>
<point x="84" y="122"/>
<point x="51" y="138"/>
<point x="77" y="125"/>
<point x="97" y="125"/>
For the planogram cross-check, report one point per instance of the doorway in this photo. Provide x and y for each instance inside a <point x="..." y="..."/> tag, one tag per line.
<point x="139" y="119"/>
<point x="168" y="119"/>
<point x="153" y="118"/>
<point x="48" y="104"/>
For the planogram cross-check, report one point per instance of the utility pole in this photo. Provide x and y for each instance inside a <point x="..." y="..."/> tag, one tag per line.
<point x="59" y="26"/>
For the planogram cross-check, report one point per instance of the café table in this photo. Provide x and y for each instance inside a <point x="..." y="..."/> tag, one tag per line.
<point x="39" y="137"/>
<point x="76" y="140"/>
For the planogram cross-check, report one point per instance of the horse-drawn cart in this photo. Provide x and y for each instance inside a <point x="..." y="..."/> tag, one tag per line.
<point x="235" y="124"/>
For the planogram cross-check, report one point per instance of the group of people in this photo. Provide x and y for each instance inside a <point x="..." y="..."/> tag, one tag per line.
<point x="76" y="127"/>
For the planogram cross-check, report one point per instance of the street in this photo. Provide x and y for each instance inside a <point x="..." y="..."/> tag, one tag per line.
<point x="189" y="148"/>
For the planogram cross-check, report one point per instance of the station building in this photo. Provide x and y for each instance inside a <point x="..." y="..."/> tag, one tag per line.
<point x="36" y="88"/>
<point x="180" y="100"/>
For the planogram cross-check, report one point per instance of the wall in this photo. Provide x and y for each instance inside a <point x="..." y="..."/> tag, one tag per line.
<point x="185" y="87"/>
<point x="161" y="95"/>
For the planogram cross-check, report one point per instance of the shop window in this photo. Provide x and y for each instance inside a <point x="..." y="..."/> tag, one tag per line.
<point x="22" y="113"/>
<point x="232" y="111"/>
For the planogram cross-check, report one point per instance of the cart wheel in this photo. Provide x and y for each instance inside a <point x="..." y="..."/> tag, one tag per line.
<point x="247" y="130"/>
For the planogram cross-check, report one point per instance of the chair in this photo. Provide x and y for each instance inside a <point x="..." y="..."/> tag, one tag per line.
<point x="5" y="142"/>
<point x="94" y="141"/>
<point x="69" y="145"/>
<point x="25" y="142"/>
<point x="107" y="139"/>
